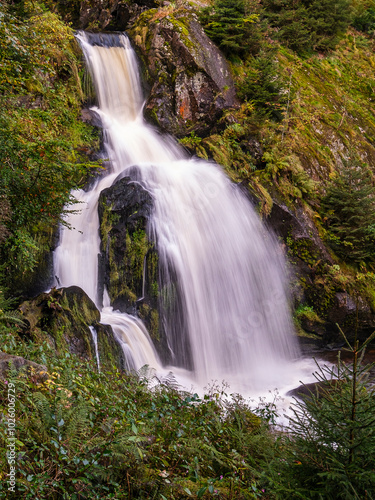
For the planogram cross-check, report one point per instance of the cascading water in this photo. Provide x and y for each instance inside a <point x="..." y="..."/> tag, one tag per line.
<point x="222" y="285"/>
<point x="94" y="335"/>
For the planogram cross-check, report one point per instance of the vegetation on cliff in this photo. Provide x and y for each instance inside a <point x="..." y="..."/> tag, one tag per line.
<point x="43" y="143"/>
<point x="301" y="136"/>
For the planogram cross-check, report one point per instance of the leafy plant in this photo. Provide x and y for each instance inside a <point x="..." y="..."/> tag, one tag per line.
<point x="42" y="142"/>
<point x="82" y="434"/>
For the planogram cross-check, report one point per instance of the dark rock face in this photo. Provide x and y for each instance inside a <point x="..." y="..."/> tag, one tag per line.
<point x="313" y="280"/>
<point x="66" y="314"/>
<point x="129" y="268"/>
<point x="344" y="312"/>
<point x="303" y="244"/>
<point x="100" y="15"/>
<point x="190" y="80"/>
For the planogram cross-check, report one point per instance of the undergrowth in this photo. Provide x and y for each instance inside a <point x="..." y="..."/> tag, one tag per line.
<point x="84" y="434"/>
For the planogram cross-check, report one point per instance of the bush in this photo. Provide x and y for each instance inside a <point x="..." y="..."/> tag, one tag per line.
<point x="308" y="25"/>
<point x="234" y="26"/>
<point x="262" y="85"/>
<point x="366" y="21"/>
<point x="331" y="449"/>
<point x="81" y="434"/>
<point x="42" y="140"/>
<point x="349" y="210"/>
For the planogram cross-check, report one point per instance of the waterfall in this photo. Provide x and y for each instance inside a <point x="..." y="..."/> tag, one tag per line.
<point x="223" y="295"/>
<point x="94" y="335"/>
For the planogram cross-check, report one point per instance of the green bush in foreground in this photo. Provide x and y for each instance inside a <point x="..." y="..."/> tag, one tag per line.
<point x="81" y="434"/>
<point x="330" y="450"/>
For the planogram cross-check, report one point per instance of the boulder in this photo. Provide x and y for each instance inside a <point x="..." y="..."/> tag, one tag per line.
<point x="344" y="313"/>
<point x="190" y="80"/>
<point x="63" y="317"/>
<point x="9" y="362"/>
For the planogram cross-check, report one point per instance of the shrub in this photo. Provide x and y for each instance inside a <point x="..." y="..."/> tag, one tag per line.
<point x="42" y="141"/>
<point x="349" y="210"/>
<point x="234" y="26"/>
<point x="262" y="85"/>
<point x="363" y="18"/>
<point x="308" y="25"/>
<point x="331" y="449"/>
<point x="81" y="434"/>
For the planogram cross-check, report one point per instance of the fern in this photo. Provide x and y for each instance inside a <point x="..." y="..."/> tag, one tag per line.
<point x="11" y="317"/>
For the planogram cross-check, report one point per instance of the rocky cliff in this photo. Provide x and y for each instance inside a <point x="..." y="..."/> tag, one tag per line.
<point x="191" y="92"/>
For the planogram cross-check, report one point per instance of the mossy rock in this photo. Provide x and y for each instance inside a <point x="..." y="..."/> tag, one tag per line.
<point x="63" y="317"/>
<point x="129" y="269"/>
<point x="190" y="80"/>
<point x="10" y="363"/>
<point x="111" y="355"/>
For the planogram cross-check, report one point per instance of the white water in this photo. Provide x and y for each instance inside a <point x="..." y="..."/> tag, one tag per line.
<point x="223" y="300"/>
<point x="94" y="334"/>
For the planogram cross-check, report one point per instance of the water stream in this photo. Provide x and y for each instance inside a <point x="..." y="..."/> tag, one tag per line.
<point x="232" y="321"/>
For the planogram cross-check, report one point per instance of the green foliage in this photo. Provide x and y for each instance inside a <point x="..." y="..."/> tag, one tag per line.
<point x="363" y="18"/>
<point x="81" y="434"/>
<point x="331" y="452"/>
<point x="234" y="26"/>
<point x="308" y="25"/>
<point x="7" y="315"/>
<point x="42" y="141"/>
<point x="349" y="208"/>
<point x="262" y="86"/>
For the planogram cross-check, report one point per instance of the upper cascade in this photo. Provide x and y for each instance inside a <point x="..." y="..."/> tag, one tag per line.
<point x="222" y="284"/>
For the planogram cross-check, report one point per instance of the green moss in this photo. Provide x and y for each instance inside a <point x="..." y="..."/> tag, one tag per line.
<point x="108" y="219"/>
<point x="302" y="248"/>
<point x="110" y="352"/>
<point x="307" y="312"/>
<point x="154" y="325"/>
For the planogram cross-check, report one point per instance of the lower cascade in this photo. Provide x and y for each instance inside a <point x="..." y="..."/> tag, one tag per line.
<point x="219" y="268"/>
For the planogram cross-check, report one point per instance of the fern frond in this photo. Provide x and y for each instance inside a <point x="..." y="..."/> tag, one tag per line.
<point x="11" y="317"/>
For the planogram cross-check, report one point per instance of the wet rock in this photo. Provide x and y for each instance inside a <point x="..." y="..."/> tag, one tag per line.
<point x="100" y="15"/>
<point x="316" y="326"/>
<point x="110" y="351"/>
<point x="344" y="313"/>
<point x="304" y="248"/>
<point x="17" y="363"/>
<point x="63" y="317"/>
<point x="191" y="84"/>
<point x="91" y="117"/>
<point x="129" y="262"/>
<point x="314" y="389"/>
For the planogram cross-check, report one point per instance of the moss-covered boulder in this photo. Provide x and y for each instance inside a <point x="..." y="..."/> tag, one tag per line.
<point x="63" y="317"/>
<point x="322" y="291"/>
<point x="129" y="260"/>
<point x="17" y="363"/>
<point x="191" y="84"/>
